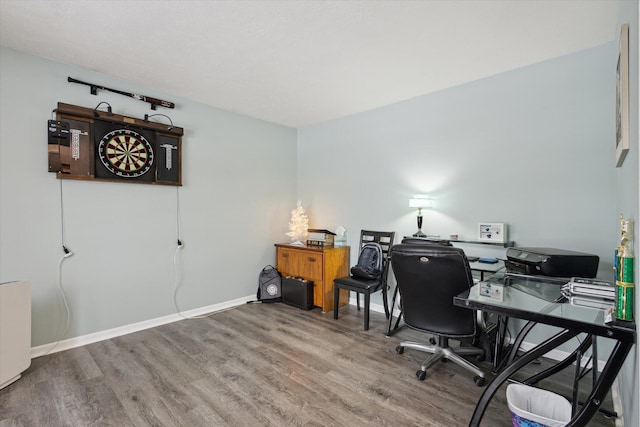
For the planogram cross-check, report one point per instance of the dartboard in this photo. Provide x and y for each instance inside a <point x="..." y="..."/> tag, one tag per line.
<point x="126" y="153"/>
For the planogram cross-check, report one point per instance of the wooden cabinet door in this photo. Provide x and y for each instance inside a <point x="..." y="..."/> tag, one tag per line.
<point x="283" y="261"/>
<point x="310" y="264"/>
<point x="301" y="263"/>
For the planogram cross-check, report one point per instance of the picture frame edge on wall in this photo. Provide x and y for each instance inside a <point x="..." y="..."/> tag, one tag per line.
<point x="622" y="97"/>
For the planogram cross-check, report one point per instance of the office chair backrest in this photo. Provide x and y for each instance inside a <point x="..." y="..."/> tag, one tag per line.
<point x="428" y="277"/>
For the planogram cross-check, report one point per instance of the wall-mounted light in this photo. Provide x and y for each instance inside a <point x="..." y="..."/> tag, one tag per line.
<point x="147" y="117"/>
<point x="97" y="114"/>
<point x="420" y="201"/>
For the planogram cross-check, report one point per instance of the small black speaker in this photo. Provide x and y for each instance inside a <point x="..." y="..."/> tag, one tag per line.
<point x="297" y="292"/>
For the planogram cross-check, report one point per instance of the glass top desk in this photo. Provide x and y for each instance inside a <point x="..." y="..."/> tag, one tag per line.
<point x="538" y="299"/>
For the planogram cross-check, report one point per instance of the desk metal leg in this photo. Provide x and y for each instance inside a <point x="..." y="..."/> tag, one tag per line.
<point x="506" y="373"/>
<point x="519" y="339"/>
<point x="582" y="348"/>
<point x="501" y="333"/>
<point x="576" y="383"/>
<point x="595" y="398"/>
<point x="581" y="373"/>
<point x="576" y="355"/>
<point x="603" y="384"/>
<point x="392" y="329"/>
<point x="594" y="363"/>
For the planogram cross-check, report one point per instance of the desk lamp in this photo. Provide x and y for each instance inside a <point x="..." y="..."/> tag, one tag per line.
<point x="420" y="201"/>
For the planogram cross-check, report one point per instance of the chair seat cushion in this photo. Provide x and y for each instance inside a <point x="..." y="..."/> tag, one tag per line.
<point x="357" y="284"/>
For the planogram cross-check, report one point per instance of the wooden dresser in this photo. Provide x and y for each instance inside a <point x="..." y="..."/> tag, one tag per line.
<point x="321" y="265"/>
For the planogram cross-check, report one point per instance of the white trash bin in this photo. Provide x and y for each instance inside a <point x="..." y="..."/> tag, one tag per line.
<point x="535" y="407"/>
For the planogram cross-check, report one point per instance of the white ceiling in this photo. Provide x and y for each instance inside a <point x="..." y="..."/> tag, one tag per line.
<point x="299" y="63"/>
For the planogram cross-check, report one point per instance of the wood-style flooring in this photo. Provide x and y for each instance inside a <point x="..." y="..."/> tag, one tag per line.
<point x="254" y="365"/>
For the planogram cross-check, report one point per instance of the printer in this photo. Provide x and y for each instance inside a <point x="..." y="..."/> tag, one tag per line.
<point x="551" y="262"/>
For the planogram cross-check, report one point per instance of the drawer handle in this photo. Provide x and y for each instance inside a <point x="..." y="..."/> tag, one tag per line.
<point x="311" y="259"/>
<point x="285" y="255"/>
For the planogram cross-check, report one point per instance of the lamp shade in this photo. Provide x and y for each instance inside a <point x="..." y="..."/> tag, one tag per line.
<point x="420" y="201"/>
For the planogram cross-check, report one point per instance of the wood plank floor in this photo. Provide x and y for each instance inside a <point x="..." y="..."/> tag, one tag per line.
<point x="257" y="364"/>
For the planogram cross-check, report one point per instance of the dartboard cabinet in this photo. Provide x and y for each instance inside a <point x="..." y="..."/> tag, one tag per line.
<point x="96" y="145"/>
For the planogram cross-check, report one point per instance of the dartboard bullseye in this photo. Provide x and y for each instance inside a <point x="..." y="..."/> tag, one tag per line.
<point x="126" y="153"/>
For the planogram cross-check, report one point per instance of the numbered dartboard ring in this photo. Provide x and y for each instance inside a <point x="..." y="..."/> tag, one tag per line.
<point x="126" y="153"/>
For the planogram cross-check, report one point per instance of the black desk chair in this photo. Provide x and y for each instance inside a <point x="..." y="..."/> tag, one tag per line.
<point x="366" y="286"/>
<point x="391" y="327"/>
<point x="428" y="277"/>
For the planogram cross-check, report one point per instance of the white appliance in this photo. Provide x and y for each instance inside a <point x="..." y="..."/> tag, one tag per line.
<point x="15" y="330"/>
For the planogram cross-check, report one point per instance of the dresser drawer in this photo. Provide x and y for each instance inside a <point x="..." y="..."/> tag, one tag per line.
<point x="300" y="263"/>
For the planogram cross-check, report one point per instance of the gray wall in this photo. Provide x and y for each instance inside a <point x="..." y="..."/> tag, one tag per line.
<point x="531" y="148"/>
<point x="239" y="187"/>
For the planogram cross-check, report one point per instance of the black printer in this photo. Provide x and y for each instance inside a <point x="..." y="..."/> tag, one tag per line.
<point x="551" y="262"/>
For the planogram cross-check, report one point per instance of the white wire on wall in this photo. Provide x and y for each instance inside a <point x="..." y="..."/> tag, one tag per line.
<point x="177" y="264"/>
<point x="67" y="254"/>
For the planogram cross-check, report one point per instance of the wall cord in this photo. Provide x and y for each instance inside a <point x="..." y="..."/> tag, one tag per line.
<point x="67" y="254"/>
<point x="177" y="264"/>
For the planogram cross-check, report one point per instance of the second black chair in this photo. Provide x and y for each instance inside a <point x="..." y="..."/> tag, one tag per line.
<point x="367" y="286"/>
<point x="428" y="278"/>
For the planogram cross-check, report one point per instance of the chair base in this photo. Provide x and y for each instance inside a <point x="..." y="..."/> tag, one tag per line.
<point x="445" y="353"/>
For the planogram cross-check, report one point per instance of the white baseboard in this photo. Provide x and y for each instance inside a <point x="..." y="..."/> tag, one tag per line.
<point x="74" y="342"/>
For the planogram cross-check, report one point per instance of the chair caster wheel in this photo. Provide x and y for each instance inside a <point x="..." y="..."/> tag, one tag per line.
<point x="480" y="382"/>
<point x="480" y="357"/>
<point x="399" y="349"/>
<point x="421" y="375"/>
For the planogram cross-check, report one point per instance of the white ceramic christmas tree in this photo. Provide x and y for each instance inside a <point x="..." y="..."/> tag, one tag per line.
<point x="298" y="226"/>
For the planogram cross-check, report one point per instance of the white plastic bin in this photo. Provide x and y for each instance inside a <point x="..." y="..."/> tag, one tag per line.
<point x="535" y="407"/>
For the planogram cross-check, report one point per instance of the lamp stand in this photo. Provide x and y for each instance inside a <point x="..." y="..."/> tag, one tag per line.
<point x="419" y="233"/>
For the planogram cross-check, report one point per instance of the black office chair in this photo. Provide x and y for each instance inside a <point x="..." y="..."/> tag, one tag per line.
<point x="391" y="327"/>
<point x="366" y="286"/>
<point x="428" y="277"/>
